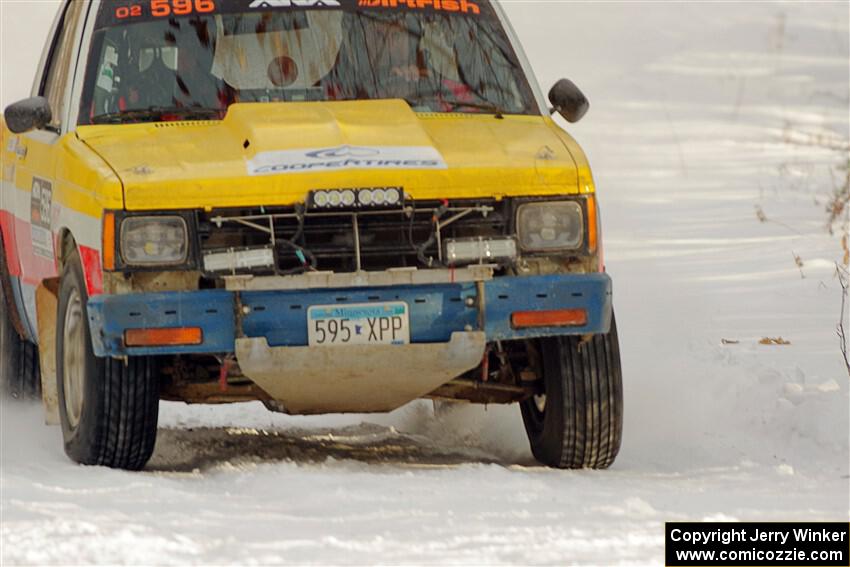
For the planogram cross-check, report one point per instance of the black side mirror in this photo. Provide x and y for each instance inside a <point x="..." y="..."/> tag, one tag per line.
<point x="29" y="114"/>
<point x="568" y="100"/>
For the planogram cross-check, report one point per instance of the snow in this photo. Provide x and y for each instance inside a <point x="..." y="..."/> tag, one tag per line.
<point x="701" y="112"/>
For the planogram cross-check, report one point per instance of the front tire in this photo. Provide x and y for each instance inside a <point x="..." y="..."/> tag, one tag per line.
<point x="576" y="422"/>
<point x="108" y="408"/>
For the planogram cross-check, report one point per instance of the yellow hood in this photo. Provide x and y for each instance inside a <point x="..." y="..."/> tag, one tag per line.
<point x="274" y="154"/>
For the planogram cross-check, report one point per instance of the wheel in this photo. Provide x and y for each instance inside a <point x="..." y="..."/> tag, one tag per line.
<point x="576" y="421"/>
<point x="20" y="375"/>
<point x="108" y="408"/>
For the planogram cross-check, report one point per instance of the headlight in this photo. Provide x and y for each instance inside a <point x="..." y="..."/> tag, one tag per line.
<point x="154" y="241"/>
<point x="551" y="226"/>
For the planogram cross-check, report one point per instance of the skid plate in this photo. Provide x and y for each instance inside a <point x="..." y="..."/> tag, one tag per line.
<point x="357" y="378"/>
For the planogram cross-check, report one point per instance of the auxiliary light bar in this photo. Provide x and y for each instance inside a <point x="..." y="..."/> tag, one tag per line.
<point x="357" y="198"/>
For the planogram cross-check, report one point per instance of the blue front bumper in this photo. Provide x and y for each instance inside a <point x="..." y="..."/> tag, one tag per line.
<point x="436" y="311"/>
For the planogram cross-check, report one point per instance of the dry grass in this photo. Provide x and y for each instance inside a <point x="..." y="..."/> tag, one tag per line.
<point x="844" y="279"/>
<point x="838" y="212"/>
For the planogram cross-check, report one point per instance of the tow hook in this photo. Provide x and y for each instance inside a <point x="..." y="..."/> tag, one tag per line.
<point x="226" y="363"/>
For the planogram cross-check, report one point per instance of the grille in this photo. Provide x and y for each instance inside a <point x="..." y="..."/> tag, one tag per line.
<point x="329" y="241"/>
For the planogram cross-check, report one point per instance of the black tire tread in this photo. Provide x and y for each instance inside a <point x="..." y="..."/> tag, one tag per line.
<point x="29" y="371"/>
<point x="130" y="412"/>
<point x="121" y="430"/>
<point x="584" y="381"/>
<point x="595" y="430"/>
<point x="21" y="366"/>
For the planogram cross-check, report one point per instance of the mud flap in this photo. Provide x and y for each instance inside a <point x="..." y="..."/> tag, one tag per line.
<point x="46" y="306"/>
<point x="356" y="379"/>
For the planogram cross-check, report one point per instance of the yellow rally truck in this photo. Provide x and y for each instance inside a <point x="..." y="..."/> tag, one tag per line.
<point x="324" y="205"/>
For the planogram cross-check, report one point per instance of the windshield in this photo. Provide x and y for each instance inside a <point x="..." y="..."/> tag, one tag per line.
<point x="156" y="60"/>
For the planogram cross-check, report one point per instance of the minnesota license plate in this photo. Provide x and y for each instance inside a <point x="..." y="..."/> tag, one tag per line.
<point x="364" y="324"/>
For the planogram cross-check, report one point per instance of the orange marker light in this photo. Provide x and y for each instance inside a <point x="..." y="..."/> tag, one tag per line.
<point x="592" y="238"/>
<point x="163" y="337"/>
<point x="559" y="318"/>
<point x="108" y="241"/>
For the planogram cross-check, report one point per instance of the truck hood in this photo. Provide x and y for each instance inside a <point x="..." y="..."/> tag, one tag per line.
<point x="275" y="153"/>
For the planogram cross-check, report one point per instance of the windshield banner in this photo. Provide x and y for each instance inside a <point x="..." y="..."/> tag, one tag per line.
<point x="120" y="12"/>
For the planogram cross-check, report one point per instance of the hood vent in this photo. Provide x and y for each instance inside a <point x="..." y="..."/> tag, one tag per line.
<point x="185" y="123"/>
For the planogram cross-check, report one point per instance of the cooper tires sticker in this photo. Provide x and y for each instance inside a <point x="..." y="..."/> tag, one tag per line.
<point x="346" y="157"/>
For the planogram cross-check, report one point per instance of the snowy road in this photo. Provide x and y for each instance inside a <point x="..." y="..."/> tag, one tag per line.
<point x="701" y="113"/>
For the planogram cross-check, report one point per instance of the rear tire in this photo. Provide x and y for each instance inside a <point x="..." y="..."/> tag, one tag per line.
<point x="20" y="373"/>
<point x="577" y="421"/>
<point x="108" y="408"/>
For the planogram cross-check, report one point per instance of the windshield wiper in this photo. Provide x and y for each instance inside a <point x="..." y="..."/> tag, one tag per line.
<point x="157" y="112"/>
<point x="485" y="106"/>
<point x="456" y="104"/>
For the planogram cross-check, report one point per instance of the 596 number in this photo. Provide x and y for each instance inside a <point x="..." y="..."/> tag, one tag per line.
<point x="165" y="8"/>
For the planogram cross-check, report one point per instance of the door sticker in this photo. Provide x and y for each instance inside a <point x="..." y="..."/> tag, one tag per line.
<point x="41" y="210"/>
<point x="9" y="168"/>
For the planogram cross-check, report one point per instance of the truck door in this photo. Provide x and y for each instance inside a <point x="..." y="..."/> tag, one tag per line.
<point x="36" y="156"/>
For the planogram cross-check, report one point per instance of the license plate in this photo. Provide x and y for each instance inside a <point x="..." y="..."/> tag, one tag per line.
<point x="364" y="324"/>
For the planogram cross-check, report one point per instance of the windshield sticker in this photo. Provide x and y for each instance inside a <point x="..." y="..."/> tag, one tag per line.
<point x="346" y="157"/>
<point x="119" y="12"/>
<point x="163" y="8"/>
<point x="268" y="4"/>
<point x="464" y="6"/>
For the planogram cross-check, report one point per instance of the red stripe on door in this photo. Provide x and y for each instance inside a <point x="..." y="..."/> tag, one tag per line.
<point x="7" y="223"/>
<point x="35" y="268"/>
<point x="31" y="268"/>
